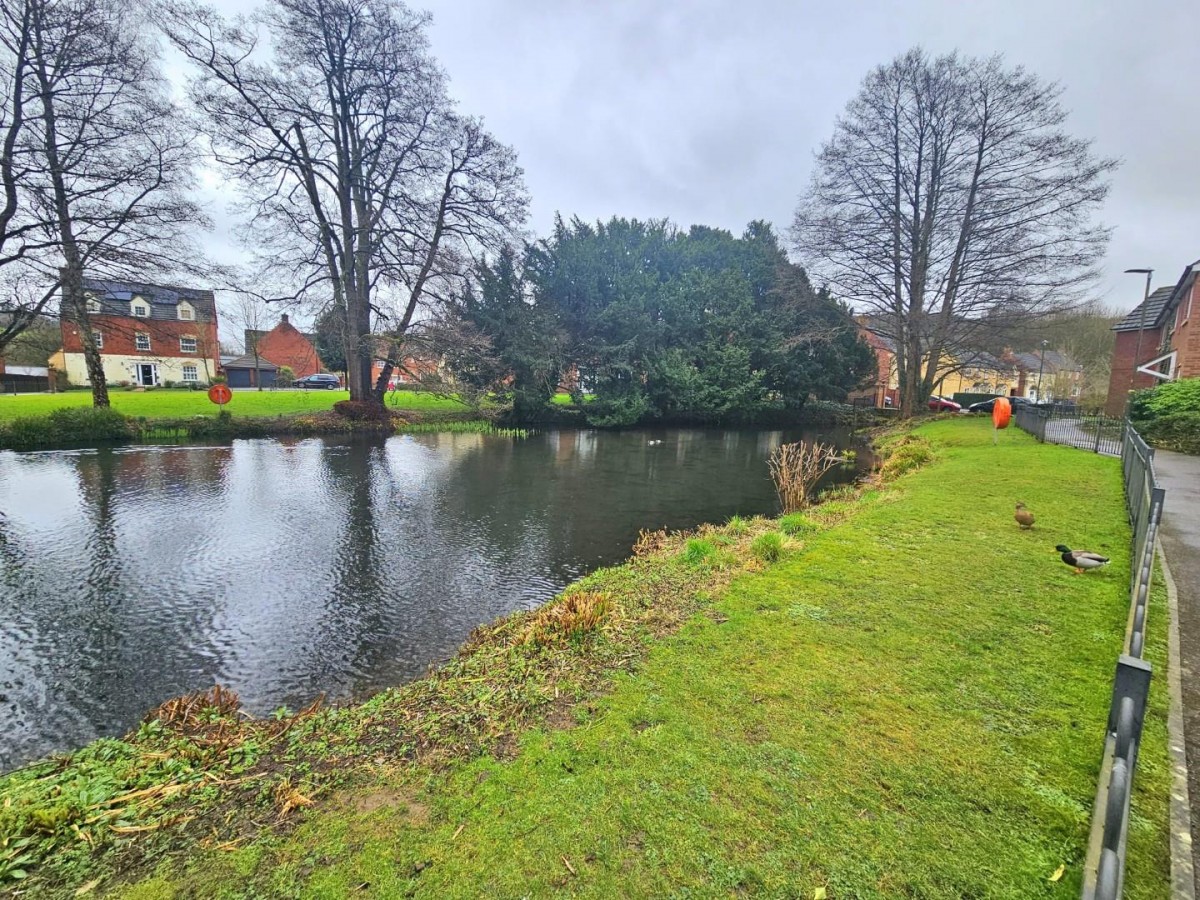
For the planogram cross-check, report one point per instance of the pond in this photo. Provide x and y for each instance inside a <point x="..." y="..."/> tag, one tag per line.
<point x="285" y="569"/>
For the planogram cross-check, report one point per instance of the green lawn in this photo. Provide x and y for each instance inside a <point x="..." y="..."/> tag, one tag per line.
<point x="909" y="704"/>
<point x="175" y="403"/>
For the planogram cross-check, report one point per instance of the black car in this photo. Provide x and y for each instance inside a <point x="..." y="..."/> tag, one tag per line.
<point x="321" y="380"/>
<point x="985" y="406"/>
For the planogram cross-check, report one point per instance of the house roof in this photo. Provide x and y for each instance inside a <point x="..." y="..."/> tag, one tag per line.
<point x="252" y="336"/>
<point x="247" y="362"/>
<point x="115" y="296"/>
<point x="1055" y="361"/>
<point x="1180" y="290"/>
<point x="1147" y="318"/>
<point x="979" y="359"/>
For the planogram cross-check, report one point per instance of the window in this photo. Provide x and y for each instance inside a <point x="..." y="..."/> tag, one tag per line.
<point x="98" y="339"/>
<point x="141" y="310"/>
<point x="187" y="345"/>
<point x="142" y="341"/>
<point x="186" y="312"/>
<point x="93" y="305"/>
<point x="190" y="373"/>
<point x="1184" y="312"/>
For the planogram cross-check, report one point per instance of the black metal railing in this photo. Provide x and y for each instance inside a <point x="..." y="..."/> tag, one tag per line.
<point x="1073" y="427"/>
<point x="1104" y="867"/>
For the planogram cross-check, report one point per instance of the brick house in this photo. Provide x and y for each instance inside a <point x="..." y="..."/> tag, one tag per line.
<point x="285" y="345"/>
<point x="147" y="334"/>
<point x="411" y="370"/>
<point x="1158" y="334"/>
<point x="884" y="389"/>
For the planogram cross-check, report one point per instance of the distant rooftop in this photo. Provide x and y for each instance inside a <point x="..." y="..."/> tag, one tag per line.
<point x="248" y="362"/>
<point x="1051" y="361"/>
<point x="114" y="298"/>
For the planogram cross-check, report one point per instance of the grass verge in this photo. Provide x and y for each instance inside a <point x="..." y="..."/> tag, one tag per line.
<point x="908" y="702"/>
<point x="165" y="403"/>
<point x="68" y="420"/>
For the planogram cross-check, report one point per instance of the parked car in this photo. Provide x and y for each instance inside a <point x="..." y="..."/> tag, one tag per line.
<point x="943" y="404"/>
<point x="321" y="380"/>
<point x="985" y="406"/>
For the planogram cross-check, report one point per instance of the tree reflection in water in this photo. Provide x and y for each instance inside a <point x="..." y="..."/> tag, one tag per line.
<point x="284" y="569"/>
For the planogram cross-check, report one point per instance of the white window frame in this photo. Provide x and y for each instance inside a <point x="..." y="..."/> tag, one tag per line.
<point x="186" y="308"/>
<point x="191" y="349"/>
<point x="138" y="339"/>
<point x="193" y="370"/>
<point x="98" y="338"/>
<point x="93" y="305"/>
<point x="140" y="311"/>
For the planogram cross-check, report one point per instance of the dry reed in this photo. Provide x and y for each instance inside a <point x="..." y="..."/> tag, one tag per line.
<point x="796" y="469"/>
<point x="572" y="616"/>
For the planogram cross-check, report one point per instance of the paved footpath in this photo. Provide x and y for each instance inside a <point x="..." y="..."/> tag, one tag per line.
<point x="1180" y="538"/>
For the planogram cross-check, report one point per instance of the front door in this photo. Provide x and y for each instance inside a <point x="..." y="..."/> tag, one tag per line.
<point x="147" y="374"/>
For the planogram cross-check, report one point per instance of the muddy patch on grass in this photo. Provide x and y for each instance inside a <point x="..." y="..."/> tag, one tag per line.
<point x="399" y="799"/>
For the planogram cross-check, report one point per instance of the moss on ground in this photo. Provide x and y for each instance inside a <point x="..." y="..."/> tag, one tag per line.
<point x="909" y="702"/>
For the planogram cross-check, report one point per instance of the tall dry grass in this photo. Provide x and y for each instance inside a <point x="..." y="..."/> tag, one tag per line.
<point x="796" y="469"/>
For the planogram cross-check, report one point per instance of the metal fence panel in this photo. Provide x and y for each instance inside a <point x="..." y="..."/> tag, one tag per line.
<point x="24" y="385"/>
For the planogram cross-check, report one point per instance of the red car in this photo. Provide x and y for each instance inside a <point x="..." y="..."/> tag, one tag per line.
<point x="941" y="404"/>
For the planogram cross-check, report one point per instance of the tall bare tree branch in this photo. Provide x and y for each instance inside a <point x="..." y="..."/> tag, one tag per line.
<point x="951" y="200"/>
<point x="365" y="188"/>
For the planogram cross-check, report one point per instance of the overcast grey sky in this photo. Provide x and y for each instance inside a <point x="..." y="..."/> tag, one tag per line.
<point x="710" y="111"/>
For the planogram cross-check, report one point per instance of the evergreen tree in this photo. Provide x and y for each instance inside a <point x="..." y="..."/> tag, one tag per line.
<point x="522" y="365"/>
<point x="660" y="324"/>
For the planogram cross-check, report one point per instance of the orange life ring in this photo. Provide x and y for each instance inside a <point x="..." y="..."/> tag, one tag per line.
<point x="220" y="394"/>
<point x="1001" y="412"/>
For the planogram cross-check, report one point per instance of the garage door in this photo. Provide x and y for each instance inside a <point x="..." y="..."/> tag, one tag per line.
<point x="238" y="377"/>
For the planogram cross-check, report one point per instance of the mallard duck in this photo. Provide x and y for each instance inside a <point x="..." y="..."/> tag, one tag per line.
<point x="1023" y="516"/>
<point x="1081" y="559"/>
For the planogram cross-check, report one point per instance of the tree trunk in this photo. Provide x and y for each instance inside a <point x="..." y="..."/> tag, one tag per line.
<point x="358" y="347"/>
<point x="72" y="271"/>
<point x="75" y="307"/>
<point x="910" y="379"/>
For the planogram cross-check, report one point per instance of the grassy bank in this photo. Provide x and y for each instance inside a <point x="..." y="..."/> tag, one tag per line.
<point x="165" y="404"/>
<point x="48" y="421"/>
<point x="901" y="696"/>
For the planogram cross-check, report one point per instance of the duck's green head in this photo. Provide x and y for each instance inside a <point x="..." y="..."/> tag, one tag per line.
<point x="1063" y="548"/>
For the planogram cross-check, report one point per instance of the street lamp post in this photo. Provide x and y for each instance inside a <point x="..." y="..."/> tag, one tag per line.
<point x="1137" y="352"/>
<point x="1041" y="366"/>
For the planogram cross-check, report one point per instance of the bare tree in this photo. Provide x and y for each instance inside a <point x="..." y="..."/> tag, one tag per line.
<point x="250" y="313"/>
<point x="25" y="297"/>
<point x="365" y="188"/>
<point x="114" y="155"/>
<point x="950" y="199"/>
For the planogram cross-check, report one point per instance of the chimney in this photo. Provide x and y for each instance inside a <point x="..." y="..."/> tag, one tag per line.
<point x="283" y="320"/>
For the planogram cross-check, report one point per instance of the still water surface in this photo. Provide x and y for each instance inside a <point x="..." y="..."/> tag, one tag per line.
<point x="283" y="569"/>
